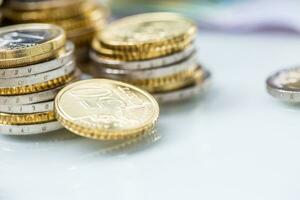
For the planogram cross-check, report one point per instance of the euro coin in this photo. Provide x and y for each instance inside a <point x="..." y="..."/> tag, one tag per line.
<point x="106" y="109"/>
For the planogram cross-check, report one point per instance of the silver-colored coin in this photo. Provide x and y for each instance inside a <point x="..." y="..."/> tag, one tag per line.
<point x="30" y="98"/>
<point x="31" y="108"/>
<point x="40" y="67"/>
<point x="148" y="64"/>
<point x="184" y="93"/>
<point x="35" y="97"/>
<point x="285" y="85"/>
<point x="186" y="64"/>
<point x="38" y="78"/>
<point x="30" y="129"/>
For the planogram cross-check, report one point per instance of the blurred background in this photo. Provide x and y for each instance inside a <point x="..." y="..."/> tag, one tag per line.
<point x="223" y="15"/>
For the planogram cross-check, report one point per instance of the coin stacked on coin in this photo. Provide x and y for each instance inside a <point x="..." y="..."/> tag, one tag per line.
<point x="154" y="51"/>
<point x="35" y="63"/>
<point x="81" y="19"/>
<point x="106" y="109"/>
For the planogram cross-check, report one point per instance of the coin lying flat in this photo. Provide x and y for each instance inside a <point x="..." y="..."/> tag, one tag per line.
<point x="145" y="31"/>
<point x="30" y="129"/>
<point x="285" y="84"/>
<point x="29" y="40"/>
<point x="31" y="108"/>
<point x="38" y="4"/>
<point x="196" y="88"/>
<point x="144" y="64"/>
<point x="106" y="109"/>
<point x="65" y="56"/>
<point x="167" y="70"/>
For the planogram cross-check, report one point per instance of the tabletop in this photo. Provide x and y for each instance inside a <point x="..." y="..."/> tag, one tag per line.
<point x="235" y="142"/>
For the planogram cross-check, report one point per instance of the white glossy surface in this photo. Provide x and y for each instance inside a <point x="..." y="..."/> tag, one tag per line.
<point x="236" y="143"/>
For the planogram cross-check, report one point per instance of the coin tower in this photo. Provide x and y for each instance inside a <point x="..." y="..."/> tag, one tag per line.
<point x="154" y="51"/>
<point x="35" y="63"/>
<point x="81" y="19"/>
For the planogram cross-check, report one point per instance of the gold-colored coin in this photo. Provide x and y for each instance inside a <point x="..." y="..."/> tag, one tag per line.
<point x="23" y="119"/>
<point x="160" y="84"/>
<point x="85" y="20"/>
<point x="41" y="86"/>
<point x="146" y="31"/>
<point x="39" y="5"/>
<point x="22" y="61"/>
<point x="29" y="40"/>
<point x="106" y="109"/>
<point x="47" y="14"/>
<point x="143" y="54"/>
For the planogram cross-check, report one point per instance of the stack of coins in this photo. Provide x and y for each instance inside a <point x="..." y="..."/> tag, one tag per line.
<point x="154" y="51"/>
<point x="285" y="85"/>
<point x="81" y="19"/>
<point x="106" y="109"/>
<point x="35" y="63"/>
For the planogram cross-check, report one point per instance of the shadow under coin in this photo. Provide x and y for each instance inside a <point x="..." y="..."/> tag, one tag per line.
<point x="186" y="105"/>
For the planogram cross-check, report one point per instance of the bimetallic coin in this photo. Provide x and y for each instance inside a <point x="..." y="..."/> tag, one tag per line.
<point x="106" y="109"/>
<point x="30" y="40"/>
<point x="30" y="129"/>
<point x="42" y="15"/>
<point x="37" y="78"/>
<point x="145" y="31"/>
<point x="63" y="58"/>
<point x="285" y="84"/>
<point x="47" y="85"/>
<point x="31" y="108"/>
<point x="189" y="63"/>
<point x="146" y="64"/>
<point x="28" y="118"/>
<point x="155" y="52"/>
<point x="29" y="98"/>
<point x="197" y="88"/>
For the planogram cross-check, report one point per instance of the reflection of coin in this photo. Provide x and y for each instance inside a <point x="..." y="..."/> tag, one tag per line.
<point x="106" y="109"/>
<point x="29" y="40"/>
<point x="285" y="84"/>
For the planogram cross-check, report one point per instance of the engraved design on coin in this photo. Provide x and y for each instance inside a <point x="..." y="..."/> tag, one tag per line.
<point x="118" y="107"/>
<point x="153" y="27"/>
<point x="151" y="30"/>
<point x="107" y="105"/>
<point x="22" y="39"/>
<point x="288" y="79"/>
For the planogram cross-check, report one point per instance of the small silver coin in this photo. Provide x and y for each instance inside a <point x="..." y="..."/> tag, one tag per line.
<point x="40" y="67"/>
<point x="285" y="85"/>
<point x="38" y="78"/>
<point x="31" y="108"/>
<point x="30" y="129"/>
<point x="184" y="93"/>
<point x="189" y="63"/>
<point x="147" y="64"/>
